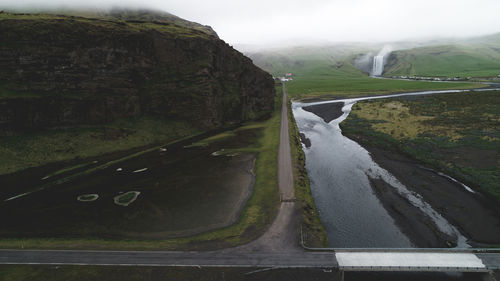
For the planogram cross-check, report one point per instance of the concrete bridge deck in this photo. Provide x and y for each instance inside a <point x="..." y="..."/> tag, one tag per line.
<point x="417" y="261"/>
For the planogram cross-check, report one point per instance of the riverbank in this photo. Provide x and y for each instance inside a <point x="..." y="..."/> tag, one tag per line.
<point x="410" y="219"/>
<point x="455" y="133"/>
<point x="415" y="138"/>
<point x="312" y="230"/>
<point x="476" y="215"/>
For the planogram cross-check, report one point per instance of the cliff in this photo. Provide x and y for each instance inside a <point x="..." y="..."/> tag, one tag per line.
<point x="60" y="71"/>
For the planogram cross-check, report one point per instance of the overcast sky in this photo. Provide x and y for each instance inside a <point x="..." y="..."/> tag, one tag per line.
<point x="263" y="22"/>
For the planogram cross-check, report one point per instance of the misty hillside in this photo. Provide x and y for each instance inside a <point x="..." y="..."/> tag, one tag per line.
<point x="339" y="69"/>
<point x="478" y="57"/>
<point x="141" y="15"/>
<point x="302" y="60"/>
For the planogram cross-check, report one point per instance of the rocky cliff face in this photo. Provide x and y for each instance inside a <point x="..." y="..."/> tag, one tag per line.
<point x="64" y="71"/>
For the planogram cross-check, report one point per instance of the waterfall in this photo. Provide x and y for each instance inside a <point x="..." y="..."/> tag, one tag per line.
<point x="378" y="66"/>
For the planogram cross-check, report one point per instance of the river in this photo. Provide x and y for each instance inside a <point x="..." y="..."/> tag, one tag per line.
<point x="340" y="169"/>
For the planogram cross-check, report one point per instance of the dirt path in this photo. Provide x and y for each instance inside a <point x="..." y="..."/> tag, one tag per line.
<point x="282" y="235"/>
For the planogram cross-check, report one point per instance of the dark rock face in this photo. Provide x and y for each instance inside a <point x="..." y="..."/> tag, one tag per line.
<point x="306" y="141"/>
<point x="69" y="71"/>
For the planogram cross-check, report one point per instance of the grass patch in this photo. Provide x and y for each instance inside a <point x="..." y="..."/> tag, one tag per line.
<point x="126" y="198"/>
<point x="455" y="133"/>
<point x="314" y="233"/>
<point x="25" y="150"/>
<point x="313" y="85"/>
<point x="209" y="140"/>
<point x="87" y="197"/>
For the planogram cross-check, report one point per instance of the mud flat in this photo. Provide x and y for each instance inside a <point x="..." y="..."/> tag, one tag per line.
<point x="183" y="191"/>
<point x="327" y="111"/>
<point x="412" y="222"/>
<point x="476" y="215"/>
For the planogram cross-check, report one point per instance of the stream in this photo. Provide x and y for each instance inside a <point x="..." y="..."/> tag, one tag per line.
<point x="340" y="169"/>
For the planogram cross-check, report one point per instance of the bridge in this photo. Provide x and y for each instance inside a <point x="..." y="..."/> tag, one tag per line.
<point x="438" y="260"/>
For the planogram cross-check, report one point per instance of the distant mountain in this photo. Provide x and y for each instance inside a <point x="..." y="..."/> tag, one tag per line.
<point x="493" y="39"/>
<point x="475" y="57"/>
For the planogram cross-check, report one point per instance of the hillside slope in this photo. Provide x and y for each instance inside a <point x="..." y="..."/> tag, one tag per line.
<point x="60" y="70"/>
<point x="467" y="59"/>
<point x="327" y="71"/>
<point x="78" y="87"/>
<point x="144" y="15"/>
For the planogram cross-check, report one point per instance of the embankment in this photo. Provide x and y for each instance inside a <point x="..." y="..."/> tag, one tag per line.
<point x="313" y="232"/>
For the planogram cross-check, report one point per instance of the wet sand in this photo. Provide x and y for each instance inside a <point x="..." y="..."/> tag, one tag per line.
<point x="476" y="215"/>
<point x="184" y="191"/>
<point x="409" y="219"/>
<point x="327" y="111"/>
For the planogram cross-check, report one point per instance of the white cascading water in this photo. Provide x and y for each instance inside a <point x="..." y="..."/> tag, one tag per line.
<point x="378" y="65"/>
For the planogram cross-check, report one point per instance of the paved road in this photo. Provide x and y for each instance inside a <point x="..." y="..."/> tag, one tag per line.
<point x="282" y="235"/>
<point x="285" y="172"/>
<point x="161" y="258"/>
<point x="490" y="260"/>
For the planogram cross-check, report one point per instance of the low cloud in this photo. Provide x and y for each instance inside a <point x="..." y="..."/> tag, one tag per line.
<point x="264" y="22"/>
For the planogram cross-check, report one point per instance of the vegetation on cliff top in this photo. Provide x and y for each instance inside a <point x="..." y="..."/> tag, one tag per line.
<point x="113" y="21"/>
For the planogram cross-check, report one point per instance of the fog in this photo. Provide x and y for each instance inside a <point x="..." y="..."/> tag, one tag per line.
<point x="268" y="22"/>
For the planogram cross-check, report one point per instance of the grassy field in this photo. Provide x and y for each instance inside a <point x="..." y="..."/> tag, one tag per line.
<point x="314" y="233"/>
<point x="333" y="74"/>
<point x="462" y="60"/>
<point x="454" y="133"/>
<point x="23" y="150"/>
